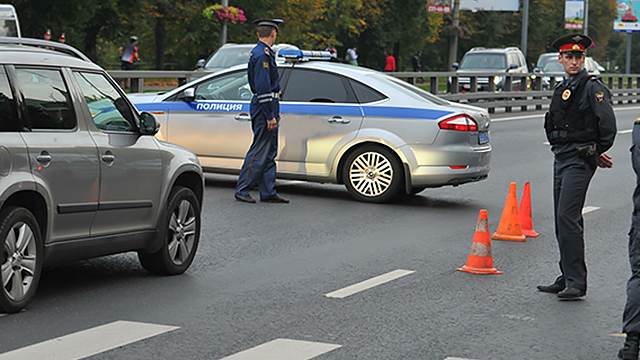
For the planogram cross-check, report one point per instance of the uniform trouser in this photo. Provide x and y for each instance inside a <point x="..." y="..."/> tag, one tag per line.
<point x="571" y="177"/>
<point x="259" y="164"/>
<point x="631" y="317"/>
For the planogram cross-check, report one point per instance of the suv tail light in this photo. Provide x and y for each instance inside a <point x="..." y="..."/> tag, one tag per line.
<point x="461" y="122"/>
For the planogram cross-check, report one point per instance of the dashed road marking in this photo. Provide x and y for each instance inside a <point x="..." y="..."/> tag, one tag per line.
<point x="625" y="131"/>
<point x="368" y="284"/>
<point x="588" y="209"/>
<point x="546" y="143"/>
<point x="618" y="335"/>
<point x="284" y="349"/>
<point x="455" y="358"/>
<point x="518" y="317"/>
<point x="88" y="342"/>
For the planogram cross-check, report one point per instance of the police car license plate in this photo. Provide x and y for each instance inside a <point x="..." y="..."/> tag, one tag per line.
<point x="483" y="138"/>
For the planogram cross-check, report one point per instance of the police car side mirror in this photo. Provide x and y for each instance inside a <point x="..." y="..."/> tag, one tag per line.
<point x="188" y="95"/>
<point x="200" y="64"/>
<point x="148" y="124"/>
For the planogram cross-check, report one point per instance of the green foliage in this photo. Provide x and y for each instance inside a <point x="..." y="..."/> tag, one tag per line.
<point x="175" y="33"/>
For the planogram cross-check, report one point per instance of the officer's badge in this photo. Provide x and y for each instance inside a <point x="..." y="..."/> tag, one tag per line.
<point x="265" y="64"/>
<point x="600" y="96"/>
<point x="566" y="95"/>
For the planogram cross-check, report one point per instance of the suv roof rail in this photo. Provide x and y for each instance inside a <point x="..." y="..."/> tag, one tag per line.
<point x="513" y="48"/>
<point x="49" y="45"/>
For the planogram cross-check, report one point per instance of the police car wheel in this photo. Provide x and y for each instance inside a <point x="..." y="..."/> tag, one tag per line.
<point x="181" y="234"/>
<point x="21" y="257"/>
<point x="372" y="173"/>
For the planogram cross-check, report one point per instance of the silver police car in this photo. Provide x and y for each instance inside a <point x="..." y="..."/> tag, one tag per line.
<point x="377" y="135"/>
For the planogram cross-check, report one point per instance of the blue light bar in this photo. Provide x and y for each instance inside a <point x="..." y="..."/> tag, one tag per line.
<point x="297" y="55"/>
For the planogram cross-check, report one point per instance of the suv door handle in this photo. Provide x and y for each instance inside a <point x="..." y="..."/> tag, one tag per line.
<point x="338" y="120"/>
<point x="108" y="158"/>
<point x="44" y="158"/>
<point x="243" y="117"/>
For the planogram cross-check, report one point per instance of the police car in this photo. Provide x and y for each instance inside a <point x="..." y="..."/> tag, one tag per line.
<point x="377" y="135"/>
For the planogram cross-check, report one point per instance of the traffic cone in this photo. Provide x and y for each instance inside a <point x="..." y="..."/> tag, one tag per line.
<point x="479" y="260"/>
<point x="509" y="228"/>
<point x="526" y="220"/>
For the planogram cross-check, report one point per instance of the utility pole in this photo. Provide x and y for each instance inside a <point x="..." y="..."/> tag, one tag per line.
<point x="223" y="33"/>
<point x="453" y="41"/>
<point x="627" y="67"/>
<point x="586" y="17"/>
<point x="525" y="27"/>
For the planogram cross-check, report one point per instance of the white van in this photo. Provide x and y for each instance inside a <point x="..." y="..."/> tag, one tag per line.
<point x="9" y="25"/>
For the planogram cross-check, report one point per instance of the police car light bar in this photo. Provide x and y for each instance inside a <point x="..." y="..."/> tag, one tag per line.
<point x="296" y="55"/>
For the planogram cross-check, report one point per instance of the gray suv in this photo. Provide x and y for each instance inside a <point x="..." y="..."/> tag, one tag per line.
<point x="482" y="60"/>
<point x="81" y="173"/>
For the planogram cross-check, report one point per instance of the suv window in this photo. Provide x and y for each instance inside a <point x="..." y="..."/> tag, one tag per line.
<point x="108" y="109"/>
<point x="234" y="86"/>
<point x="364" y="93"/>
<point x="46" y="98"/>
<point x="9" y="118"/>
<point x="325" y="87"/>
<point x="483" y="61"/>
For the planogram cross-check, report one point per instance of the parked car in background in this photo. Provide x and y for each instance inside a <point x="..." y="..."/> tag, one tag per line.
<point x="547" y="67"/>
<point x="81" y="173"/>
<point x="376" y="134"/>
<point x="9" y="24"/>
<point x="229" y="55"/>
<point x="482" y="60"/>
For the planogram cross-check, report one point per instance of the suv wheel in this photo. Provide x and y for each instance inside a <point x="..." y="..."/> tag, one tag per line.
<point x="181" y="234"/>
<point x="372" y="173"/>
<point x="21" y="256"/>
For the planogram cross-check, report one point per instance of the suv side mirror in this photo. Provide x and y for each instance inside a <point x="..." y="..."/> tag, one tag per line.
<point x="200" y="64"/>
<point x="188" y="95"/>
<point x="455" y="66"/>
<point x="148" y="124"/>
<point x="513" y="66"/>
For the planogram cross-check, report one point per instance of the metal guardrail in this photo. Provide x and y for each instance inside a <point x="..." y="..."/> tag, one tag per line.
<point x="488" y="90"/>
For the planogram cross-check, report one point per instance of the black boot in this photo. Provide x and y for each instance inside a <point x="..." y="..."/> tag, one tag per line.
<point x="554" y="288"/>
<point x="630" y="349"/>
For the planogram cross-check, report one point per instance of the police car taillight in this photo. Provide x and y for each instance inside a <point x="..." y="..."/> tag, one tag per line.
<point x="462" y="122"/>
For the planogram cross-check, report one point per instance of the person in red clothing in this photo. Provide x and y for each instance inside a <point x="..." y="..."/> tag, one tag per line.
<point x="390" y="65"/>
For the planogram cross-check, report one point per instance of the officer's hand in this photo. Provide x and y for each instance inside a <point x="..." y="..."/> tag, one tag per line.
<point x="272" y="124"/>
<point x="605" y="161"/>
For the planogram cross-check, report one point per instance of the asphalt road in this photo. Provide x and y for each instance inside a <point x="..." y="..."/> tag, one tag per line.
<point x="262" y="272"/>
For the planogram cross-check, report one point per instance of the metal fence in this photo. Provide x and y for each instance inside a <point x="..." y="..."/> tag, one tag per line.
<point x="493" y="91"/>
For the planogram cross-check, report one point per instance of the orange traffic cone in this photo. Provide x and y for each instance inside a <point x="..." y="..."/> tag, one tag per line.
<point x="479" y="260"/>
<point x="509" y="228"/>
<point x="526" y="220"/>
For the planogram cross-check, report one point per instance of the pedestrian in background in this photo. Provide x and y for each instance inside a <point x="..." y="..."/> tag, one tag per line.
<point x="129" y="54"/>
<point x="390" y="63"/>
<point x="352" y="56"/>
<point x="581" y="127"/>
<point x="47" y="35"/>
<point x="62" y="38"/>
<point x="631" y="315"/>
<point x="260" y="162"/>
<point x="416" y="62"/>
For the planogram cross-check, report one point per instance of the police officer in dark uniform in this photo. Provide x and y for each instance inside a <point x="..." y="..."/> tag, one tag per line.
<point x="259" y="164"/>
<point x="581" y="127"/>
<point x="631" y="316"/>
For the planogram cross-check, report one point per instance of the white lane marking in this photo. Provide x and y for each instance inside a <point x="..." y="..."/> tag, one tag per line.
<point x="546" y="143"/>
<point x="618" y="335"/>
<point x="588" y="209"/>
<point x="454" y="358"/>
<point x="1" y="315"/>
<point x="279" y="349"/>
<point x="625" y="131"/>
<point x="292" y="182"/>
<point x="88" y="342"/>
<point x="368" y="284"/>
<point x="512" y="118"/>
<point x="516" y="118"/>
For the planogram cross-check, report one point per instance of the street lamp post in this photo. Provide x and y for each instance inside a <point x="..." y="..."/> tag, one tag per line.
<point x="525" y="27"/>
<point x="586" y="17"/>
<point x="223" y="33"/>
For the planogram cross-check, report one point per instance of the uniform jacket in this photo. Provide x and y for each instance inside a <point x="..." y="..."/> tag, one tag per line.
<point x="264" y="82"/>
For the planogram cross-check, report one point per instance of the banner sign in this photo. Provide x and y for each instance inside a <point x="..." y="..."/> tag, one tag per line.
<point x="490" y="5"/>
<point x="439" y="6"/>
<point x="574" y="14"/>
<point x="627" y="16"/>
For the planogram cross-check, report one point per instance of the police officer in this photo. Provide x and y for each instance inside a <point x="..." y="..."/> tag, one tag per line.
<point x="580" y="127"/>
<point x="259" y="163"/>
<point x="631" y="316"/>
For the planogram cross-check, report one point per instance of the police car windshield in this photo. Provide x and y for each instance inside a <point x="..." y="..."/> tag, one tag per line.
<point x="8" y="27"/>
<point x="484" y="61"/>
<point x="228" y="57"/>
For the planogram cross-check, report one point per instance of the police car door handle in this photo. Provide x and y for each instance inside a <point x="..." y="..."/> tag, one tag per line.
<point x="108" y="157"/>
<point x="243" y="117"/>
<point x="338" y="120"/>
